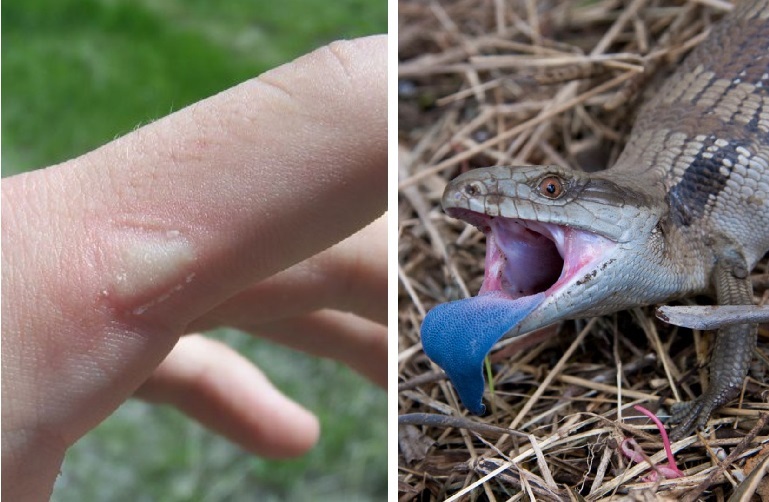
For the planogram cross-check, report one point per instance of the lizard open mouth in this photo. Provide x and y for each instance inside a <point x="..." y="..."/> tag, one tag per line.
<point x="525" y="257"/>
<point x="527" y="263"/>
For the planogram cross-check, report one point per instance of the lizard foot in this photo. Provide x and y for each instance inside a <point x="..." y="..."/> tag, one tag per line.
<point x="690" y="416"/>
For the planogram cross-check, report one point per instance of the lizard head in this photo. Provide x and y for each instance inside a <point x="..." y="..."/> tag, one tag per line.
<point x="556" y="242"/>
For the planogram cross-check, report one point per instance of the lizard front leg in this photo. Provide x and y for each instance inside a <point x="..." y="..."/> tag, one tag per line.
<point x="732" y="353"/>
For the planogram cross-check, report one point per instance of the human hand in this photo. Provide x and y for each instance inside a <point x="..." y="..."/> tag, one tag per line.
<point x="184" y="225"/>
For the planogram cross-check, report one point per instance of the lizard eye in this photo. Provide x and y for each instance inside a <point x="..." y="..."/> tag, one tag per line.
<point x="551" y="187"/>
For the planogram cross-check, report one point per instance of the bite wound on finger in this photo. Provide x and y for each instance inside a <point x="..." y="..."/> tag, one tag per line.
<point x="151" y="268"/>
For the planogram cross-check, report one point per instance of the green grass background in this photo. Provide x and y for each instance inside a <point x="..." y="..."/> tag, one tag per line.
<point x="77" y="74"/>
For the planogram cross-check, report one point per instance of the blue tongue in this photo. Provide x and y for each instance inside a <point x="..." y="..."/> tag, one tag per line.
<point x="458" y="335"/>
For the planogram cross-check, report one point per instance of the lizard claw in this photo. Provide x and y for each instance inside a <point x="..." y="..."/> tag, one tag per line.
<point x="690" y="416"/>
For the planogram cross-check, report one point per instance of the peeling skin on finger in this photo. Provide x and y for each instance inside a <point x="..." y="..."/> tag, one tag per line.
<point x="151" y="268"/>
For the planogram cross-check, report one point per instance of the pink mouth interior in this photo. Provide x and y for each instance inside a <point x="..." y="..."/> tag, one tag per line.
<point x="526" y="257"/>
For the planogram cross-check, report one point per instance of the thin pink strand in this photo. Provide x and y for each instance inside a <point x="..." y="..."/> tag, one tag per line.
<point x="663" y="433"/>
<point x="631" y="450"/>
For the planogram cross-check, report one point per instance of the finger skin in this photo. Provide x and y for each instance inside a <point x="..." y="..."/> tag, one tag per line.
<point x="108" y="257"/>
<point x="221" y="389"/>
<point x="350" y="276"/>
<point x="359" y="343"/>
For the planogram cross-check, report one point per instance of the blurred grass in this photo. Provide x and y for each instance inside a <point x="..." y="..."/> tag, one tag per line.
<point x="80" y="73"/>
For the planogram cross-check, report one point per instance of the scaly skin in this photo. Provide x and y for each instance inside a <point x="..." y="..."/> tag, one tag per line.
<point x="684" y="211"/>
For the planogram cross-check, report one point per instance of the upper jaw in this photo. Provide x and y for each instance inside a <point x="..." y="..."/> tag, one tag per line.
<point x="591" y="203"/>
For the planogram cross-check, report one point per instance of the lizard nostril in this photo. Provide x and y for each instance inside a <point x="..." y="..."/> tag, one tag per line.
<point x="471" y="189"/>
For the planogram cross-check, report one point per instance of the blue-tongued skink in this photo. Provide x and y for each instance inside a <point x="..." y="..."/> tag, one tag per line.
<point x="685" y="210"/>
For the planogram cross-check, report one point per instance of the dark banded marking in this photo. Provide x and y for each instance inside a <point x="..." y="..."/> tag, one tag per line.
<point x="704" y="179"/>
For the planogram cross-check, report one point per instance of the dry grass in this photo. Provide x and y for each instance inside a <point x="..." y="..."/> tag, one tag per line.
<point x="485" y="82"/>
